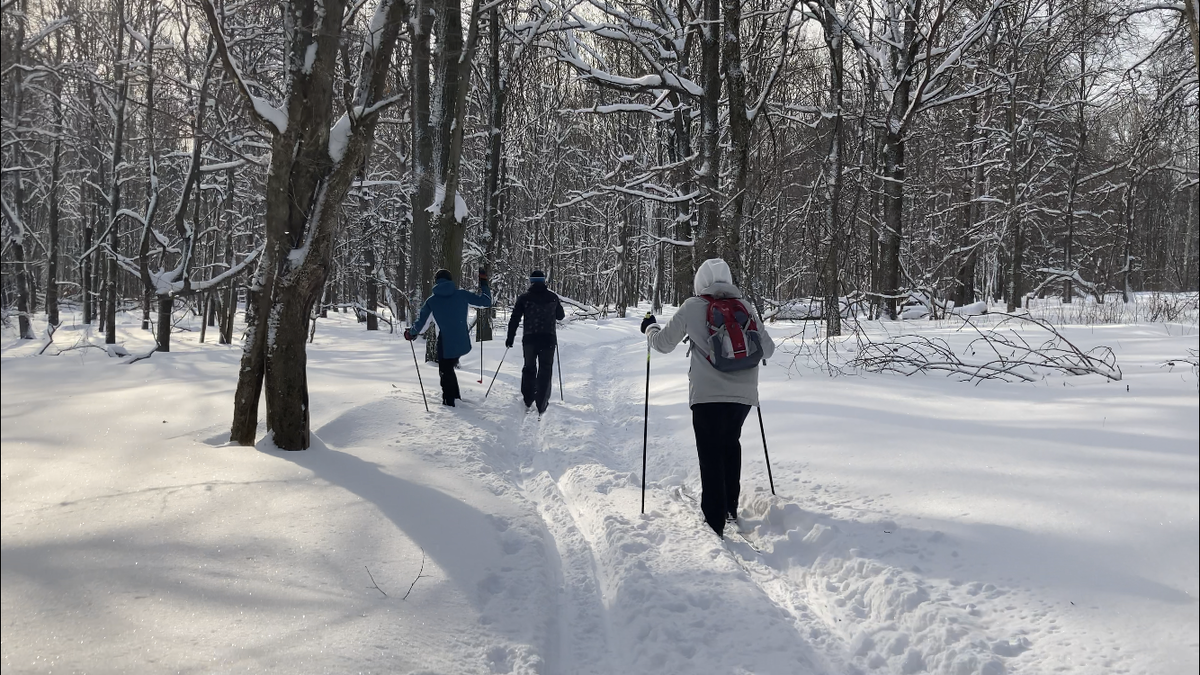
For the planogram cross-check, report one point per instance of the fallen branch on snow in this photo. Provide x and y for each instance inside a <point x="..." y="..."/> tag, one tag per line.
<point x="1008" y="355"/>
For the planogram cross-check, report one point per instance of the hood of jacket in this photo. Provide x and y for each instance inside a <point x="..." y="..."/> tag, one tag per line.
<point x="714" y="278"/>
<point x="445" y="287"/>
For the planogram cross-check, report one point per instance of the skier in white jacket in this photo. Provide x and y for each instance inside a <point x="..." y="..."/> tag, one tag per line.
<point x="720" y="401"/>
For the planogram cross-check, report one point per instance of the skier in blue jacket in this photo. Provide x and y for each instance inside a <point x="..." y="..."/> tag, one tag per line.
<point x="449" y="305"/>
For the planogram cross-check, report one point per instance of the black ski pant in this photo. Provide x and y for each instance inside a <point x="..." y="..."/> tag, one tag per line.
<point x="537" y="375"/>
<point x="718" y="428"/>
<point x="448" y="378"/>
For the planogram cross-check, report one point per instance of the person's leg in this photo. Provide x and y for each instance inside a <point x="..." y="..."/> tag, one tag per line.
<point x="545" y="376"/>
<point x="529" y="374"/>
<point x="455" y="393"/>
<point x="449" y="381"/>
<point x="706" y="423"/>
<point x="734" y="416"/>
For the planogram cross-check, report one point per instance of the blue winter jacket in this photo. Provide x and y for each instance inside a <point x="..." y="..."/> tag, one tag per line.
<point x="449" y="304"/>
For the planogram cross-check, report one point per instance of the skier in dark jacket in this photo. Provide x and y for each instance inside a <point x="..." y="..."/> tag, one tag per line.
<point x="540" y="308"/>
<point x="448" y="306"/>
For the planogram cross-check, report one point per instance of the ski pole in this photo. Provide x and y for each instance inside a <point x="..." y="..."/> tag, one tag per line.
<point x="418" y="367"/>
<point x="489" y="389"/>
<point x="481" y="362"/>
<point x="763" y="431"/>
<point x="560" y="388"/>
<point x="645" y="426"/>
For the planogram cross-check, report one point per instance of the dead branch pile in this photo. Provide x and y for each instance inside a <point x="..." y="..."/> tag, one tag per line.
<point x="1000" y="352"/>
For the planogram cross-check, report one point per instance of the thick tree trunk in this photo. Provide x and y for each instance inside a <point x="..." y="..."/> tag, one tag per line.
<point x="833" y="178"/>
<point x="166" y="306"/>
<point x="965" y="279"/>
<point x="708" y="238"/>
<point x="1073" y="180"/>
<point x="114" y="196"/>
<point x="1016" y="286"/>
<point x="1127" y="216"/>
<point x="372" y="288"/>
<point x="86" y="274"/>
<point x="421" y="270"/>
<point x="24" y="325"/>
<point x="893" y="215"/>
<point x="306" y="171"/>
<point x="739" y="137"/>
<point x="455" y="69"/>
<point x="52" y="219"/>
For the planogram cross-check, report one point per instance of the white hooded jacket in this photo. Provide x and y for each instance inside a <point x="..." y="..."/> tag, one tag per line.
<point x="706" y="384"/>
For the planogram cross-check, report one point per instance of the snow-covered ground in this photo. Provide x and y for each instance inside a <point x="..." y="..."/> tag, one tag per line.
<point x="921" y="524"/>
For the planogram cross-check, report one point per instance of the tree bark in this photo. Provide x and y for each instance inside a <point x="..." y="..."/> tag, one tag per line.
<point x="52" y="219"/>
<point x="739" y="137"/>
<point x="303" y="173"/>
<point x="455" y="70"/>
<point x="372" y="287"/>
<point x="708" y="240"/>
<point x="831" y="306"/>
<point x="114" y="197"/>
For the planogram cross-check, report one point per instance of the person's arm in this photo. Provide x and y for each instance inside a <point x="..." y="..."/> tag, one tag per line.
<point x="559" y="314"/>
<point x="665" y="338"/>
<point x="515" y="320"/>
<point x="419" y="326"/>
<point x="481" y="299"/>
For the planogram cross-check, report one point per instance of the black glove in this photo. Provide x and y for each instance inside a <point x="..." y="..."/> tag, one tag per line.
<point x="508" y="343"/>
<point x="483" y="275"/>
<point x="648" y="321"/>
<point x="408" y="335"/>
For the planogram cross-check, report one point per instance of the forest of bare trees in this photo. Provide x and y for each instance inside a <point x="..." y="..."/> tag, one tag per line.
<point x="286" y="159"/>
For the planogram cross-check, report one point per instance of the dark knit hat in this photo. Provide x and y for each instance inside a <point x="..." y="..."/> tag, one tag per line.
<point x="537" y="277"/>
<point x="443" y="274"/>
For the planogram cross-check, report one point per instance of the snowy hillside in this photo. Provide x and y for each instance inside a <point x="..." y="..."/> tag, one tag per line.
<point x="921" y="524"/>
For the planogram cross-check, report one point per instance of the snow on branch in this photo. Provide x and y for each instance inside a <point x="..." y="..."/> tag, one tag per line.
<point x="263" y="109"/>
<point x="45" y="32"/>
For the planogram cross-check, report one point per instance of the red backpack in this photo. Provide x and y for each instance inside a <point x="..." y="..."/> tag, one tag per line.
<point x="733" y="341"/>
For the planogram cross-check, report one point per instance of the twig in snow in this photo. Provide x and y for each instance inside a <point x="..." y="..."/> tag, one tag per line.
<point x="376" y="584"/>
<point x="420" y="573"/>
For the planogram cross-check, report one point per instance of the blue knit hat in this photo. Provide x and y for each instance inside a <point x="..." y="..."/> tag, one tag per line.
<point x="537" y="277"/>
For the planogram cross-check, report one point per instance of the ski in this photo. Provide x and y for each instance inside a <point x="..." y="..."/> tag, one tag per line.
<point x="736" y="532"/>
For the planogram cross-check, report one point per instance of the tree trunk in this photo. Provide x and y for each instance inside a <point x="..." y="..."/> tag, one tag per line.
<point x="86" y="274"/>
<point x="454" y="66"/>
<point x="1015" y="224"/>
<point x="304" y="170"/>
<point x="1073" y="180"/>
<point x="166" y="306"/>
<point x="421" y="269"/>
<point x="52" y="223"/>
<point x="372" y="288"/>
<point x="1127" y="215"/>
<point x="707" y="244"/>
<point x="739" y="137"/>
<point x="114" y="196"/>
<point x="893" y="214"/>
<point x="831" y="306"/>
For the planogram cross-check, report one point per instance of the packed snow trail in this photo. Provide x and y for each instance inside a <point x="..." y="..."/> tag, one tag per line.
<point x="637" y="593"/>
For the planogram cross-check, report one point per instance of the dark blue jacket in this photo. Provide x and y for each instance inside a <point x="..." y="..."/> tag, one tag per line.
<point x="449" y="304"/>
<point x="540" y="308"/>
